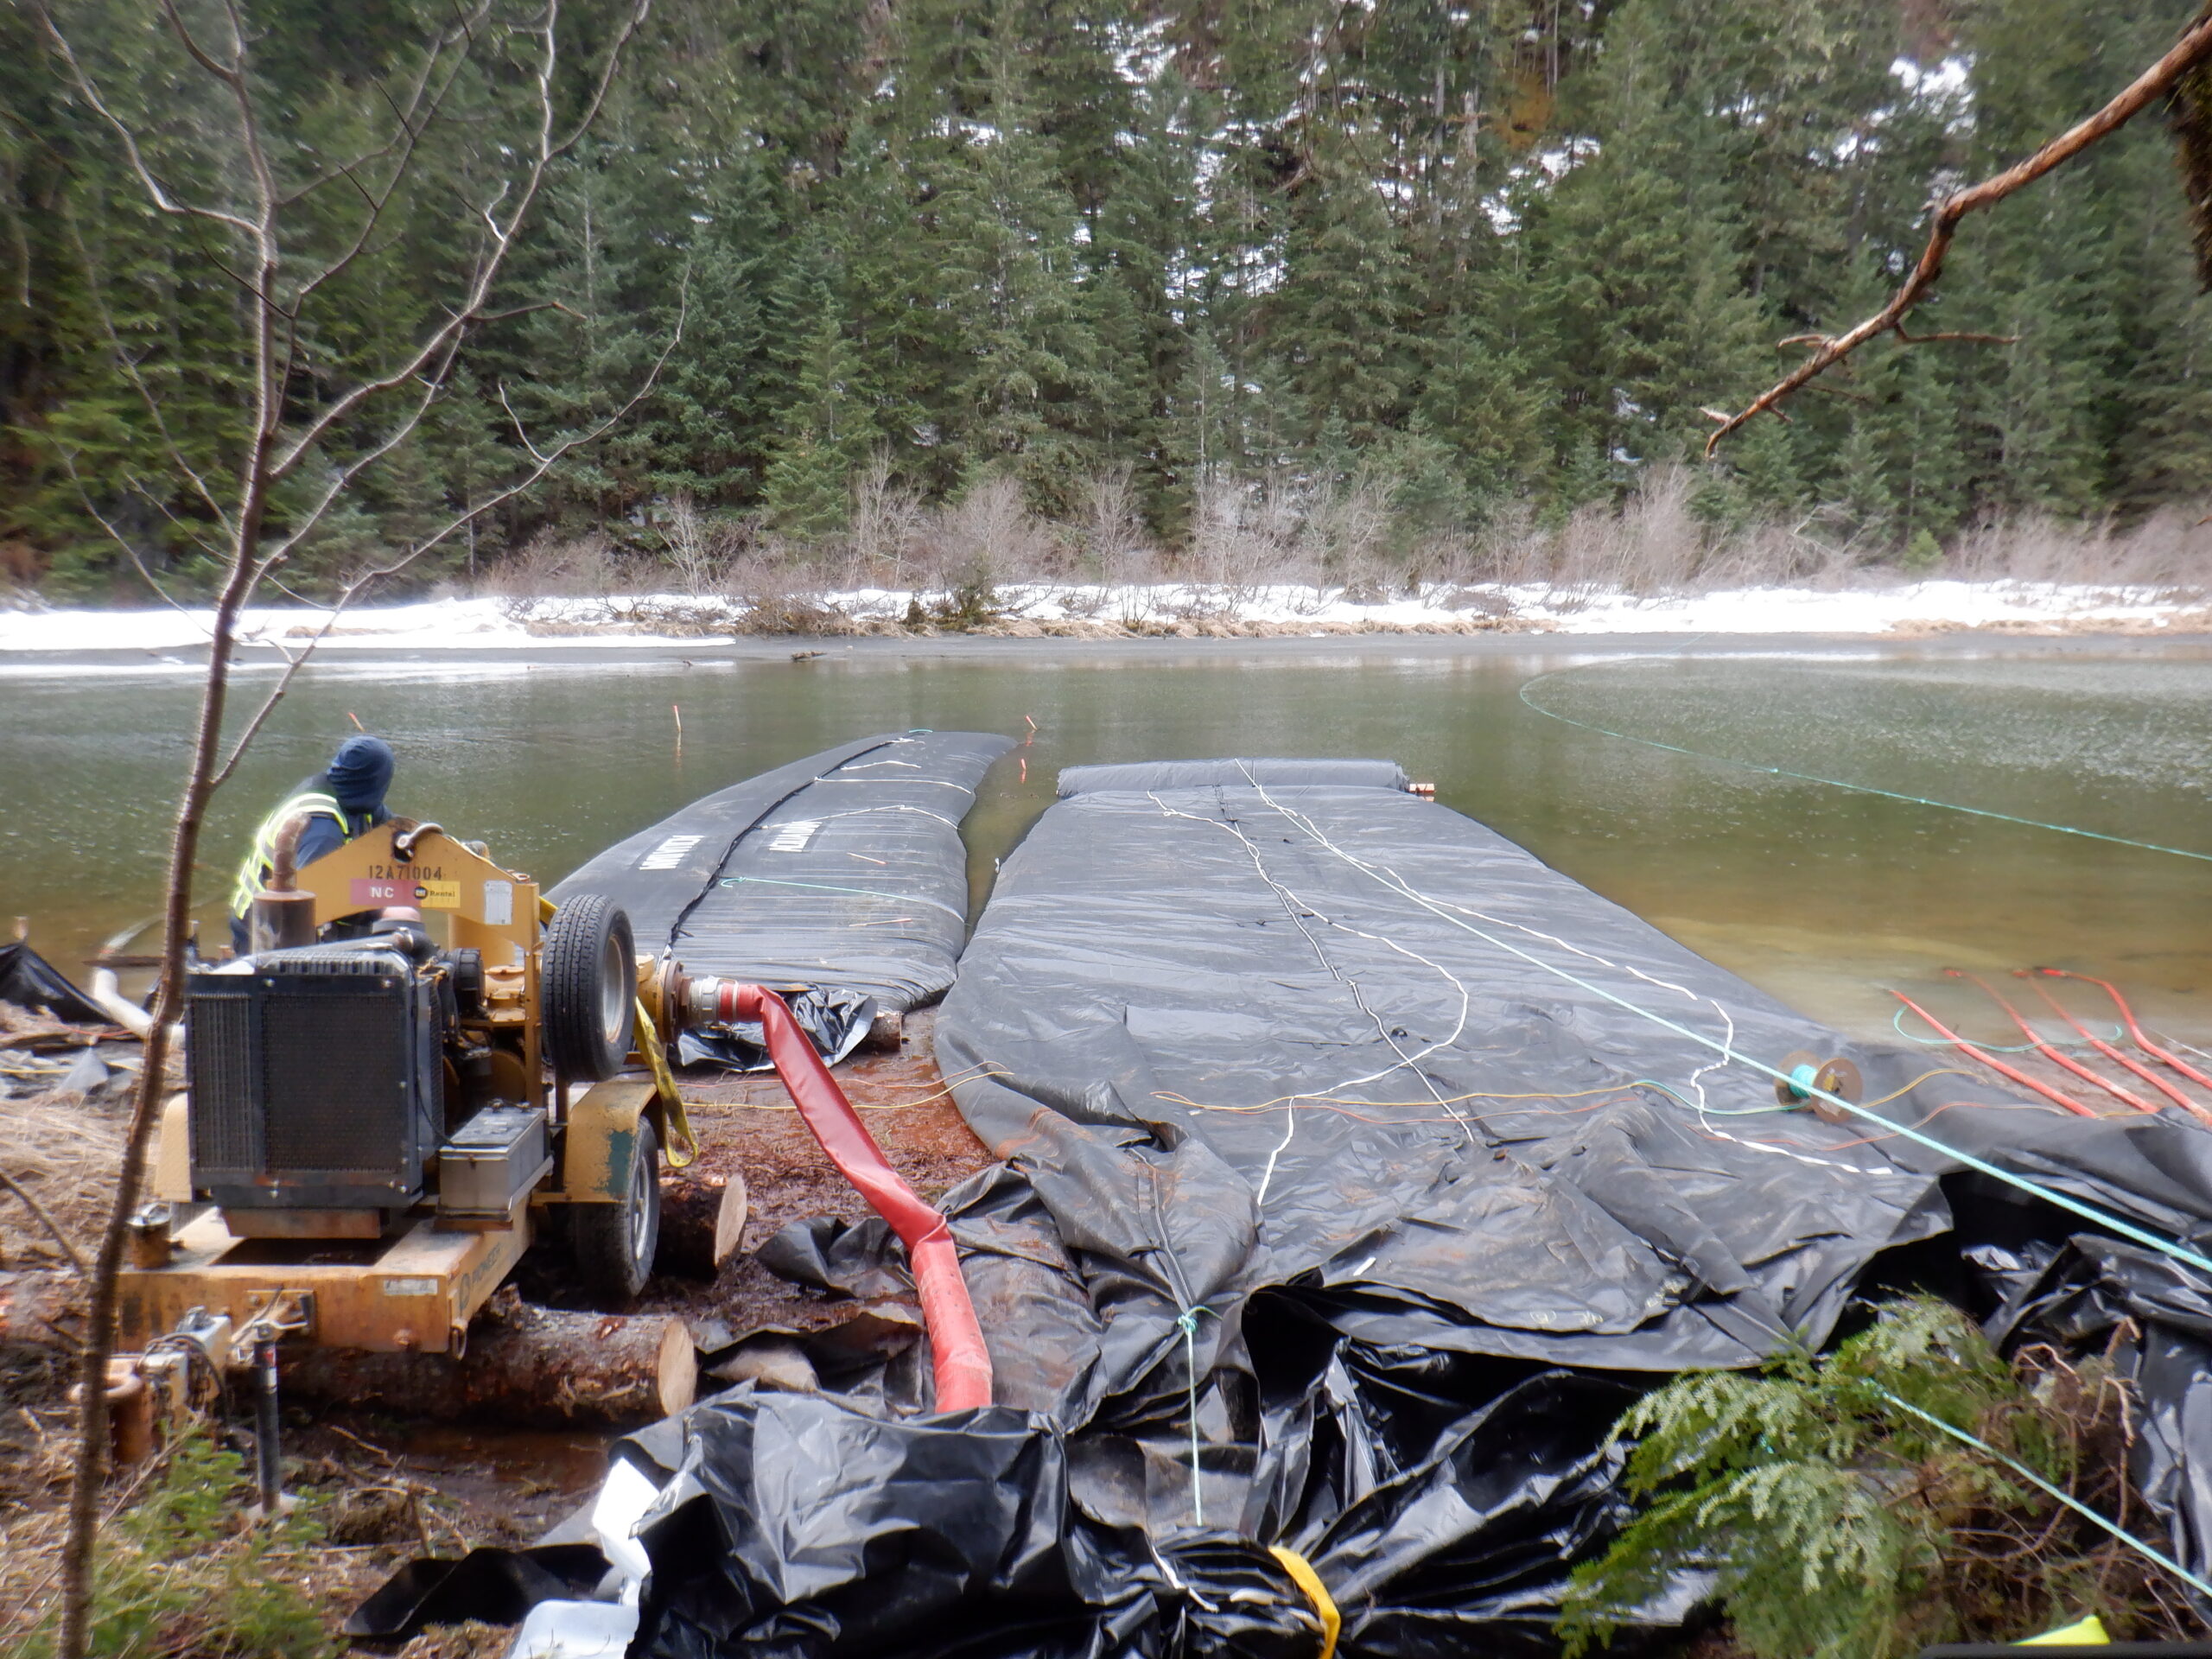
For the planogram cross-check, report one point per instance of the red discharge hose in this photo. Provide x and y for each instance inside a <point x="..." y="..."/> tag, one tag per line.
<point x="2048" y="1052"/>
<point x="2114" y="1054"/>
<point x="962" y="1363"/>
<point x="2135" y="1030"/>
<point x="1991" y="1060"/>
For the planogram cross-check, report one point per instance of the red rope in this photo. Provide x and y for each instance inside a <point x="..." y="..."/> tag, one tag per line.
<point x="2048" y="1052"/>
<point x="2128" y="1014"/>
<point x="1991" y="1060"/>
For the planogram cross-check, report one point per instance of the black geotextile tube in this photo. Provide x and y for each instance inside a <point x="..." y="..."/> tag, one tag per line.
<point x="1187" y="774"/>
<point x="841" y="879"/>
<point x="1308" y="1148"/>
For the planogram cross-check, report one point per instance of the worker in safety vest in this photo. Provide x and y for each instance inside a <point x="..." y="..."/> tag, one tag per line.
<point x="345" y="799"/>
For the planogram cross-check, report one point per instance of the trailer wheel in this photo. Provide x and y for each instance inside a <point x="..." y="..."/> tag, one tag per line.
<point x="613" y="1243"/>
<point x="588" y="971"/>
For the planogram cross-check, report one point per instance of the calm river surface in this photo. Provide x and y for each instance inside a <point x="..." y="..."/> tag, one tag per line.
<point x="1823" y="896"/>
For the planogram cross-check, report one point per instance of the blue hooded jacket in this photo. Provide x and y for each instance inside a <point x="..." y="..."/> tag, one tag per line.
<point x="360" y="772"/>
<point x="356" y="778"/>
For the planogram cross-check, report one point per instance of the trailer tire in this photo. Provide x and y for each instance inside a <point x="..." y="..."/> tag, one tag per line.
<point x="588" y="971"/>
<point x="613" y="1244"/>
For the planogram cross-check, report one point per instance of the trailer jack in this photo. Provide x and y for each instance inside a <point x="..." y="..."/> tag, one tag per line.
<point x="285" y="1313"/>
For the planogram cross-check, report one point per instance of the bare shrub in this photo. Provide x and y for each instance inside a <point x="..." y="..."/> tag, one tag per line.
<point x="1653" y="544"/>
<point x="552" y="566"/>
<point x="1768" y="554"/>
<point x="1344" y="534"/>
<point x="778" y="593"/>
<point x="1511" y="548"/>
<point x="1115" y="548"/>
<point x="1244" y="536"/>
<point x="2169" y="550"/>
<point x="886" y="520"/>
<point x="698" y="547"/>
<point x="985" y="537"/>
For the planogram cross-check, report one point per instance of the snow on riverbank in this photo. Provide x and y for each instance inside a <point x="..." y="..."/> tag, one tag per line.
<point x="1095" y="611"/>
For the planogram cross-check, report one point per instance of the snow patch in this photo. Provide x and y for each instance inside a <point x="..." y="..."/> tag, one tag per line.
<point x="465" y="627"/>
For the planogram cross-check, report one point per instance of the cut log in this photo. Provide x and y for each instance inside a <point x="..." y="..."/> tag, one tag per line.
<point x="702" y="1219"/>
<point x="535" y="1366"/>
<point x="42" y="1309"/>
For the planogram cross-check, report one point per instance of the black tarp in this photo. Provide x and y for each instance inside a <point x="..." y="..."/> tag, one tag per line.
<point x="29" y="981"/>
<point x="843" y="872"/>
<point x="1334" y="1137"/>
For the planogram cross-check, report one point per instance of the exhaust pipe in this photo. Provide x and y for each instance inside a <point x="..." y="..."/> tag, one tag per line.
<point x="283" y="918"/>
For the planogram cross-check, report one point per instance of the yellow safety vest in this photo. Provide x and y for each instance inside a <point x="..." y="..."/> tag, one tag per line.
<point x="254" y="873"/>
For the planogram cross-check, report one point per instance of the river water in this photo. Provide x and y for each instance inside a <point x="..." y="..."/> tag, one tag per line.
<point x="1826" y="897"/>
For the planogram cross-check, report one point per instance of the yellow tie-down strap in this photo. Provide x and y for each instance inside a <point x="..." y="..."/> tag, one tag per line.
<point x="683" y="1146"/>
<point x="1303" y="1575"/>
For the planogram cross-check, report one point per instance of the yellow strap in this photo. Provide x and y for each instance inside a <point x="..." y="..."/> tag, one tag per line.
<point x="1303" y="1575"/>
<point x="672" y="1103"/>
<point x="2084" y="1633"/>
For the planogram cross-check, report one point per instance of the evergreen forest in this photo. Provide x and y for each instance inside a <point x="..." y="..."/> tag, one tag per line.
<point x="1491" y="259"/>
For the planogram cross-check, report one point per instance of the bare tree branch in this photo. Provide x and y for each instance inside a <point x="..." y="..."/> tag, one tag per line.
<point x="114" y="535"/>
<point x="164" y="202"/>
<point x="410" y="136"/>
<point x="407" y="129"/>
<point x="2194" y="47"/>
<point x="353" y="588"/>
<point x="488" y="269"/>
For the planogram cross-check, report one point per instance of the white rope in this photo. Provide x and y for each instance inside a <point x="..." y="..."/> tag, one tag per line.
<point x="1396" y="883"/>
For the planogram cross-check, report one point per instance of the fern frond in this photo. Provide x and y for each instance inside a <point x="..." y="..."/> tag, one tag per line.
<point x="1711" y="1421"/>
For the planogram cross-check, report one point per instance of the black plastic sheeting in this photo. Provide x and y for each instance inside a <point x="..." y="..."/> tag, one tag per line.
<point x="496" y="1586"/>
<point x="797" y="1524"/>
<point x="842" y="876"/>
<point x="29" y="981"/>
<point x="1190" y="774"/>
<point x="1312" y="1155"/>
<point x="1308" y="1141"/>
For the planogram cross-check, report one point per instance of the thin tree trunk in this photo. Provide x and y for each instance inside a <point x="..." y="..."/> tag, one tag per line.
<point x="145" y="1110"/>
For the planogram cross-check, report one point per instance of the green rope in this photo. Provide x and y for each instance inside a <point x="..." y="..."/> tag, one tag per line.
<point x="1187" y="1323"/>
<point x="2150" y="1551"/>
<point x="1681" y="1099"/>
<point x="1897" y="1023"/>
<point x="1838" y="783"/>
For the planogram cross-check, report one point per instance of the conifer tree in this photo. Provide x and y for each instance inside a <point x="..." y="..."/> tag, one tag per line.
<point x="1862" y="487"/>
<point x="1339" y="325"/>
<point x="1005" y="247"/>
<point x="829" y="430"/>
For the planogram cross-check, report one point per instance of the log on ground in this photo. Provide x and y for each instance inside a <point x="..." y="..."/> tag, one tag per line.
<point x="702" y="1219"/>
<point x="534" y="1366"/>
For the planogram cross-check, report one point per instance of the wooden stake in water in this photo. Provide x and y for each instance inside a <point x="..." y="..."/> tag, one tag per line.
<point x="674" y="710"/>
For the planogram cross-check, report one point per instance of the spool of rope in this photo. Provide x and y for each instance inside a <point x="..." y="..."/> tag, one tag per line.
<point x="1805" y="1080"/>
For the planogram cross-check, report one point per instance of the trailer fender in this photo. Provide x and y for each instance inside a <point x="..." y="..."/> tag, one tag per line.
<point x="601" y="1141"/>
